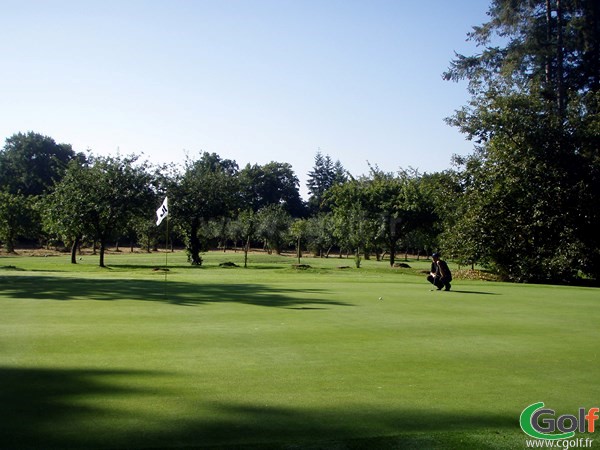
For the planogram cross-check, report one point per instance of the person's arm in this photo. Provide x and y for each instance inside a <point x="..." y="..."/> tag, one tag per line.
<point x="442" y="271"/>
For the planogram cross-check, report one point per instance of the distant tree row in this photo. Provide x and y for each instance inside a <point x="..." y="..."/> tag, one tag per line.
<point x="68" y="199"/>
<point x="524" y="204"/>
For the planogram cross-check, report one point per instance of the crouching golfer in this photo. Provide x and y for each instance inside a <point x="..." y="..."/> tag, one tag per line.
<point x="440" y="275"/>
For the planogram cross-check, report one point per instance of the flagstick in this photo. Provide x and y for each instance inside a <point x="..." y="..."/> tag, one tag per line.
<point x="166" y="255"/>
<point x="160" y="215"/>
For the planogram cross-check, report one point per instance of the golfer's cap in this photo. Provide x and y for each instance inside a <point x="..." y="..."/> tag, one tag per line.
<point x="435" y="255"/>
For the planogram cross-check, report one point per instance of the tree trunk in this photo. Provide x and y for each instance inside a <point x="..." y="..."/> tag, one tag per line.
<point x="357" y="258"/>
<point x="102" y="253"/>
<point x="594" y="17"/>
<point x="392" y="252"/>
<point x="10" y="244"/>
<point x="195" y="245"/>
<point x="246" y="249"/>
<point x="74" y="250"/>
<point x="298" y="250"/>
<point x="560" y="84"/>
<point x="548" y="68"/>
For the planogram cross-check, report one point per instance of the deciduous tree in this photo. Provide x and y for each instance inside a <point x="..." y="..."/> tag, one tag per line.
<point x="207" y="189"/>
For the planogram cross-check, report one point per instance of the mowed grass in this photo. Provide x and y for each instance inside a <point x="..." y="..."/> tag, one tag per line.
<point x="276" y="357"/>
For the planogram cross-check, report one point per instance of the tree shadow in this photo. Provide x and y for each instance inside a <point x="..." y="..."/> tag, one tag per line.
<point x="37" y="405"/>
<point x="82" y="409"/>
<point x="360" y="426"/>
<point x="12" y="268"/>
<point x="149" y="268"/>
<point x="474" y="292"/>
<point x="173" y="292"/>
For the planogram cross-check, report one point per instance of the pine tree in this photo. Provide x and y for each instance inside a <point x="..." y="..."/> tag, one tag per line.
<point x="324" y="175"/>
<point x="534" y="115"/>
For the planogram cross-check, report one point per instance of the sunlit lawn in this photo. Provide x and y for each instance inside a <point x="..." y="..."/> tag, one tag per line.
<point x="126" y="357"/>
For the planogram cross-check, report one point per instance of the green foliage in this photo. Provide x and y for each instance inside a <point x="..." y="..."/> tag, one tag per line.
<point x="244" y="228"/>
<point x="356" y="229"/>
<point x="297" y="232"/>
<point x="528" y="191"/>
<point x="324" y="176"/>
<point x="273" y="224"/>
<point x="99" y="199"/>
<point x="18" y="218"/>
<point x="375" y="213"/>
<point x="403" y="206"/>
<point x="30" y="164"/>
<point x="147" y="233"/>
<point x="320" y="234"/>
<point x="206" y="190"/>
<point x="270" y="184"/>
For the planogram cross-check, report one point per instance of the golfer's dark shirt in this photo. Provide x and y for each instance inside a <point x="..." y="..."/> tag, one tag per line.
<point x="437" y="268"/>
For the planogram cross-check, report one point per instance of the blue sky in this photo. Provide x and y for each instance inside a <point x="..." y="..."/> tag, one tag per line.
<point x="253" y="80"/>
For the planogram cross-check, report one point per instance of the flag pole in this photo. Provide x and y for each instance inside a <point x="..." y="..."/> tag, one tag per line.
<point x="166" y="253"/>
<point x="160" y="215"/>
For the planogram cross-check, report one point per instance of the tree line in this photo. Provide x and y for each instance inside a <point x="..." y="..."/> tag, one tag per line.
<point x="523" y="204"/>
<point x="53" y="196"/>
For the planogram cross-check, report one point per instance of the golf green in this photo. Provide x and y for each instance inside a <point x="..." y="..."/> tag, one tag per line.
<point x="278" y="357"/>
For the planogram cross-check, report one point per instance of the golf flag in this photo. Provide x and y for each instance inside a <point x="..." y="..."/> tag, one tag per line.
<point x="162" y="212"/>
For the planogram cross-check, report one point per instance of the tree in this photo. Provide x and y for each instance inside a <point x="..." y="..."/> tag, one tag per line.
<point x="443" y="193"/>
<point x="297" y="233"/>
<point x="245" y="227"/>
<point x="320" y="235"/>
<point x="534" y="115"/>
<point x="273" y="223"/>
<point x="377" y="212"/>
<point x="401" y="205"/>
<point x="147" y="233"/>
<point x="271" y="184"/>
<point x="99" y="199"/>
<point x="31" y="163"/>
<point x="206" y="190"/>
<point x="68" y="209"/>
<point x="17" y="216"/>
<point x="356" y="227"/>
<point x="324" y="175"/>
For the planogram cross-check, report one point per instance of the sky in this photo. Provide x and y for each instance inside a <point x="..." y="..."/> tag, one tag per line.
<point x="251" y="80"/>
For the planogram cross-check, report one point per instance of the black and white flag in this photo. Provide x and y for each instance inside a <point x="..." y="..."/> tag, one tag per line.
<point x="162" y="212"/>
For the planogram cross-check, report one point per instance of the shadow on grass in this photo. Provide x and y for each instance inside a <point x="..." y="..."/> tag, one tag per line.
<point x="177" y="293"/>
<point x="474" y="292"/>
<point x="78" y="408"/>
<point x="13" y="268"/>
<point x="36" y="405"/>
<point x="205" y="267"/>
<point x="148" y="268"/>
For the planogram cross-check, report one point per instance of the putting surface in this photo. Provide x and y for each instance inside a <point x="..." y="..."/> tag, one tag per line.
<point x="271" y="356"/>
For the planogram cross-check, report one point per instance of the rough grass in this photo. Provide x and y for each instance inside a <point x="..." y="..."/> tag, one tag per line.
<point x="275" y="357"/>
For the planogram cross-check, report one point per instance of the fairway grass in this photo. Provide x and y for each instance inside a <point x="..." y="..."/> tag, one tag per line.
<point x="275" y="357"/>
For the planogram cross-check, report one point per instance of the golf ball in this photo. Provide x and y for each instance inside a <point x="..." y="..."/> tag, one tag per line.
<point x="380" y="298"/>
